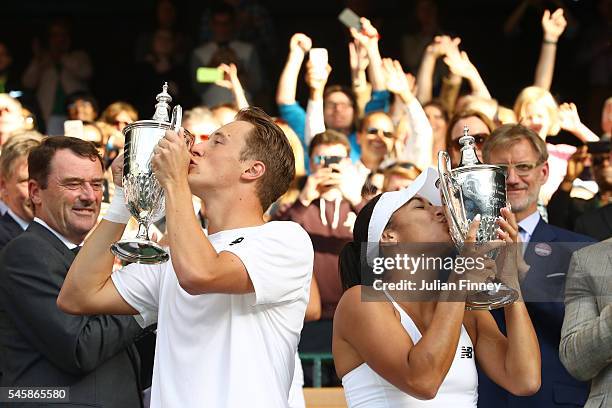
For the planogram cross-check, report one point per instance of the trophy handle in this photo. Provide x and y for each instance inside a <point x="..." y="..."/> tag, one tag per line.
<point x="177" y="117"/>
<point x="446" y="179"/>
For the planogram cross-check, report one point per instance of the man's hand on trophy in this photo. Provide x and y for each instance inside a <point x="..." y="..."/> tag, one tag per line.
<point x="171" y="159"/>
<point x="117" y="170"/>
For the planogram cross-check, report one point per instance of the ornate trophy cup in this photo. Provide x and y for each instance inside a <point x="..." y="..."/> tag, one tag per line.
<point x="143" y="194"/>
<point x="470" y="189"/>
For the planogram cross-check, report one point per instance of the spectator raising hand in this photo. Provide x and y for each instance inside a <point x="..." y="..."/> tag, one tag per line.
<point x="459" y="64"/>
<point x="553" y="25"/>
<point x="368" y="37"/>
<point x="441" y="46"/>
<point x="232" y="82"/>
<point x="397" y="81"/>
<point x="570" y="121"/>
<point x="359" y="61"/>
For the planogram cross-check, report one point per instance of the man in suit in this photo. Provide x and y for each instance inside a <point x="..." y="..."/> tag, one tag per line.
<point x="42" y="346"/>
<point x="547" y="251"/>
<point x="586" y="336"/>
<point x="14" y="186"/>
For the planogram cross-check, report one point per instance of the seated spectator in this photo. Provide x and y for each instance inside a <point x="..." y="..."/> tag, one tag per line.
<point x="479" y="126"/>
<point x="11" y="118"/>
<point x="160" y="65"/>
<point x="399" y="176"/>
<point x="14" y="185"/>
<point x="225" y="49"/>
<point x="56" y="71"/>
<point x="119" y="114"/>
<point x="82" y="106"/>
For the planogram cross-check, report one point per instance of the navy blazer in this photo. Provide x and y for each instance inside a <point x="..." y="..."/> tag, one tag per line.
<point x="9" y="229"/>
<point x="543" y="289"/>
<point x="42" y="346"/>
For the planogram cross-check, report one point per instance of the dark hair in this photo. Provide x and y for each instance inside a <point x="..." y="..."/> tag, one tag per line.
<point x="351" y="259"/>
<point x="462" y="115"/>
<point x="81" y="96"/>
<point x="268" y="143"/>
<point x="39" y="160"/>
<point x="329" y="137"/>
<point x="507" y="135"/>
<point x="437" y="104"/>
<point x="349" y="94"/>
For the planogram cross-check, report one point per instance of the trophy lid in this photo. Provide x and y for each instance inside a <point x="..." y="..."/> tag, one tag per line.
<point x="468" y="150"/>
<point x="162" y="107"/>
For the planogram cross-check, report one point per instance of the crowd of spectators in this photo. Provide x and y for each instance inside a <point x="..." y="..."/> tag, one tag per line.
<point x="351" y="141"/>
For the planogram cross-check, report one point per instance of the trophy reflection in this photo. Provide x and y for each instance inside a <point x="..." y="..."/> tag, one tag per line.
<point x="474" y="188"/>
<point x="144" y="195"/>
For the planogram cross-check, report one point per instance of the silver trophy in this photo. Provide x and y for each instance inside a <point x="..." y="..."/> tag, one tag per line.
<point x="144" y="195"/>
<point x="470" y="189"/>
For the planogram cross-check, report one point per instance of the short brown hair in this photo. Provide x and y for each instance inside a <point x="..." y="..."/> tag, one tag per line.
<point x="329" y="137"/>
<point x="39" y="160"/>
<point x="267" y="143"/>
<point x="507" y="135"/>
<point x="463" y="115"/>
<point x="16" y="148"/>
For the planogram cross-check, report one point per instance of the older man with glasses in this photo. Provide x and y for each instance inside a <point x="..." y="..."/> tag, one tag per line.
<point x="547" y="251"/>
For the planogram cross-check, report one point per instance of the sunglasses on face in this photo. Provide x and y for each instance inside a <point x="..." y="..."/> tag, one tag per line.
<point x="376" y="131"/>
<point x="479" y="139"/>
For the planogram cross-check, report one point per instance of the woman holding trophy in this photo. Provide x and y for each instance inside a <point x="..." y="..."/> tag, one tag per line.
<point x="400" y="352"/>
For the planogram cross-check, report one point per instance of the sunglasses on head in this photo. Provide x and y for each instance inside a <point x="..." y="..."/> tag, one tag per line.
<point x="479" y="139"/>
<point x="375" y="131"/>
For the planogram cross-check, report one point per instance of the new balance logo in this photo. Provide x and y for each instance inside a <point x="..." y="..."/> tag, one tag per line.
<point x="466" y="352"/>
<point x="237" y="241"/>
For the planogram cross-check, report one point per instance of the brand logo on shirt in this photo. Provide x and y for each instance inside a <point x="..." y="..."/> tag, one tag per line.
<point x="237" y="241"/>
<point x="466" y="352"/>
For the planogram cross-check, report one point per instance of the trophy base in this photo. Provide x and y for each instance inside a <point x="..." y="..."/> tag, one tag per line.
<point x="491" y="299"/>
<point x="139" y="251"/>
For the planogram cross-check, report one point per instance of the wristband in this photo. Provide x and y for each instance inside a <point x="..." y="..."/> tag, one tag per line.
<point x="117" y="211"/>
<point x="549" y="42"/>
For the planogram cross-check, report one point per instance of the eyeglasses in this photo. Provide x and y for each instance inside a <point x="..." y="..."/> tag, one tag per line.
<point x="376" y="131"/>
<point x="522" y="169"/>
<point x="479" y="139"/>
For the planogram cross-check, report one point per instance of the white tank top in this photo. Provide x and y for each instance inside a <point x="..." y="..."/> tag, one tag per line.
<point x="363" y="387"/>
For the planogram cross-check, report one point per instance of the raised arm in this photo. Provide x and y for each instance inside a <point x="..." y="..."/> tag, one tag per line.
<point x="553" y="26"/>
<point x="459" y="64"/>
<point x="570" y="121"/>
<point x="299" y="45"/>
<point x="232" y="82"/>
<point x="419" y="143"/>
<point x="316" y="78"/>
<point x="358" y="58"/>
<point x="368" y="37"/>
<point x="438" y="48"/>
<point x="586" y="335"/>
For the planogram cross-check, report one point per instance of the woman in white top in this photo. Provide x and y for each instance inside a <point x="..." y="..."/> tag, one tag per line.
<point x="394" y="353"/>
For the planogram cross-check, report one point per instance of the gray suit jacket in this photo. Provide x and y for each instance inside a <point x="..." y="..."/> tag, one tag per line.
<point x="586" y="336"/>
